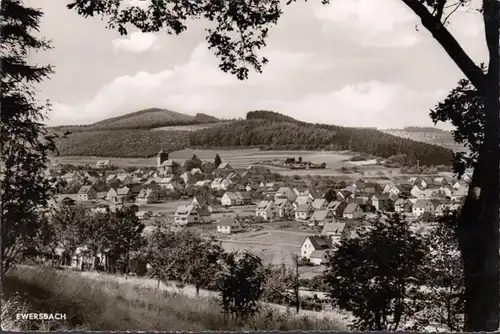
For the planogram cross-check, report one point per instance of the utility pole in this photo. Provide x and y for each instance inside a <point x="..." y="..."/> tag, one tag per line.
<point x="296" y="282"/>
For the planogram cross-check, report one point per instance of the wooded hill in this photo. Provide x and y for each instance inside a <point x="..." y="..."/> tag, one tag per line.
<point x="264" y="129"/>
<point x="143" y="119"/>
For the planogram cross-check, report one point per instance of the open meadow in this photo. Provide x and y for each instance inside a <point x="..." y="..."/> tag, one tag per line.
<point x="96" y="301"/>
<point x="242" y="158"/>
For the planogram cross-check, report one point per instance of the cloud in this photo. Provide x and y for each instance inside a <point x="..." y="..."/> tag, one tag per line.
<point x="137" y="42"/>
<point x="368" y="104"/>
<point x="370" y="23"/>
<point x="198" y="85"/>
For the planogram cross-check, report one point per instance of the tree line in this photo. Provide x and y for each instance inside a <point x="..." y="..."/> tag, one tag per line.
<point x="271" y="134"/>
<point x="389" y="275"/>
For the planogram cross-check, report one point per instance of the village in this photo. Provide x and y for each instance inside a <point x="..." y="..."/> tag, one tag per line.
<point x="247" y="209"/>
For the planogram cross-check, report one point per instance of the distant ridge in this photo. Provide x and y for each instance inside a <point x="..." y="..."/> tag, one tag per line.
<point x="144" y="133"/>
<point x="142" y="119"/>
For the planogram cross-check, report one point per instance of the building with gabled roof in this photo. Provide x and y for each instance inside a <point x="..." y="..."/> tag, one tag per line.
<point x="316" y="248"/>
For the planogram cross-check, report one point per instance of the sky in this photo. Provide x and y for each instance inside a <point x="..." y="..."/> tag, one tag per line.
<point x="362" y="63"/>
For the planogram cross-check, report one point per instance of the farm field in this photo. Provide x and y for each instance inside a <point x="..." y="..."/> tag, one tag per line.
<point x="242" y="158"/>
<point x="274" y="247"/>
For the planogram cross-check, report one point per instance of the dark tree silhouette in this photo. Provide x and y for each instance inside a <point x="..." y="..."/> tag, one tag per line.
<point x="24" y="142"/>
<point x="217" y="160"/>
<point x="479" y="221"/>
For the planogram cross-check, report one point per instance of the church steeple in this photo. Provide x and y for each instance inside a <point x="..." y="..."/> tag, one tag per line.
<point x="161" y="157"/>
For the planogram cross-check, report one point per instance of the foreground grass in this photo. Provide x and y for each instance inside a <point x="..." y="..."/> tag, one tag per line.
<point x="120" y="306"/>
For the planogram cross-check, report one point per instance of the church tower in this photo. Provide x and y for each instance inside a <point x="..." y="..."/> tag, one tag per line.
<point x="162" y="156"/>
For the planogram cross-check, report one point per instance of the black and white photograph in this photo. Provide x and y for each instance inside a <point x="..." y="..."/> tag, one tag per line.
<point x="250" y="165"/>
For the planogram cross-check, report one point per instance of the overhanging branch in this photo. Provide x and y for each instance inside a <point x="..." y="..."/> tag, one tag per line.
<point x="449" y="44"/>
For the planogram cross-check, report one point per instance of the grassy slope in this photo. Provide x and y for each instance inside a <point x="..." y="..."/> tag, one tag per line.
<point x="124" y="305"/>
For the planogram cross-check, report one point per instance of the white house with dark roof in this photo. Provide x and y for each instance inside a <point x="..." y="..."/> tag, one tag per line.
<point x="229" y="226"/>
<point x="304" y="212"/>
<point x="186" y="215"/>
<point x="229" y="199"/>
<point x="316" y="249"/>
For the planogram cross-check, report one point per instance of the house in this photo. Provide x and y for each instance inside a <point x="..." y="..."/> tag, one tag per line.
<point x="424" y="205"/>
<point x="199" y="201"/>
<point x="164" y="165"/>
<point x="204" y="183"/>
<point x="146" y="196"/>
<point x="244" y="197"/>
<point x="86" y="193"/>
<point x="216" y="183"/>
<point x="337" y="207"/>
<point x="101" y="164"/>
<point x="70" y="177"/>
<point x="353" y="211"/>
<point x="379" y="202"/>
<point x="195" y="171"/>
<point x="111" y="178"/>
<point x="459" y="193"/>
<point x="258" y="170"/>
<point x="342" y="195"/>
<point x="322" y="217"/>
<point x="112" y="193"/>
<point x="333" y="231"/>
<point x="125" y="179"/>
<point x="186" y="176"/>
<point x="403" y="206"/>
<point x="150" y="185"/>
<point x="214" y="208"/>
<point x="124" y="193"/>
<point x="304" y="212"/>
<point x="230" y="199"/>
<point x="228" y="226"/>
<point x="186" y="215"/>
<point x="319" y="204"/>
<point x="302" y="200"/>
<point x="225" y="166"/>
<point x="440" y="181"/>
<point x="286" y="192"/>
<point x="316" y="249"/>
<point x="285" y="207"/>
<point x="267" y="210"/>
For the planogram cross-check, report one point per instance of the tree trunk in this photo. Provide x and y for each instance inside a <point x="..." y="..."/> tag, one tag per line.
<point x="478" y="229"/>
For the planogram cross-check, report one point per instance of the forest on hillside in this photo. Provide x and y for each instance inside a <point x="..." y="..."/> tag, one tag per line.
<point x="304" y="136"/>
<point x="122" y="143"/>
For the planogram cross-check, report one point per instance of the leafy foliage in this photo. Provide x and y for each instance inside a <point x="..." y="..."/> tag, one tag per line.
<point x="240" y="284"/>
<point x="376" y="274"/>
<point x="464" y="108"/>
<point x="24" y="142"/>
<point x="444" y="278"/>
